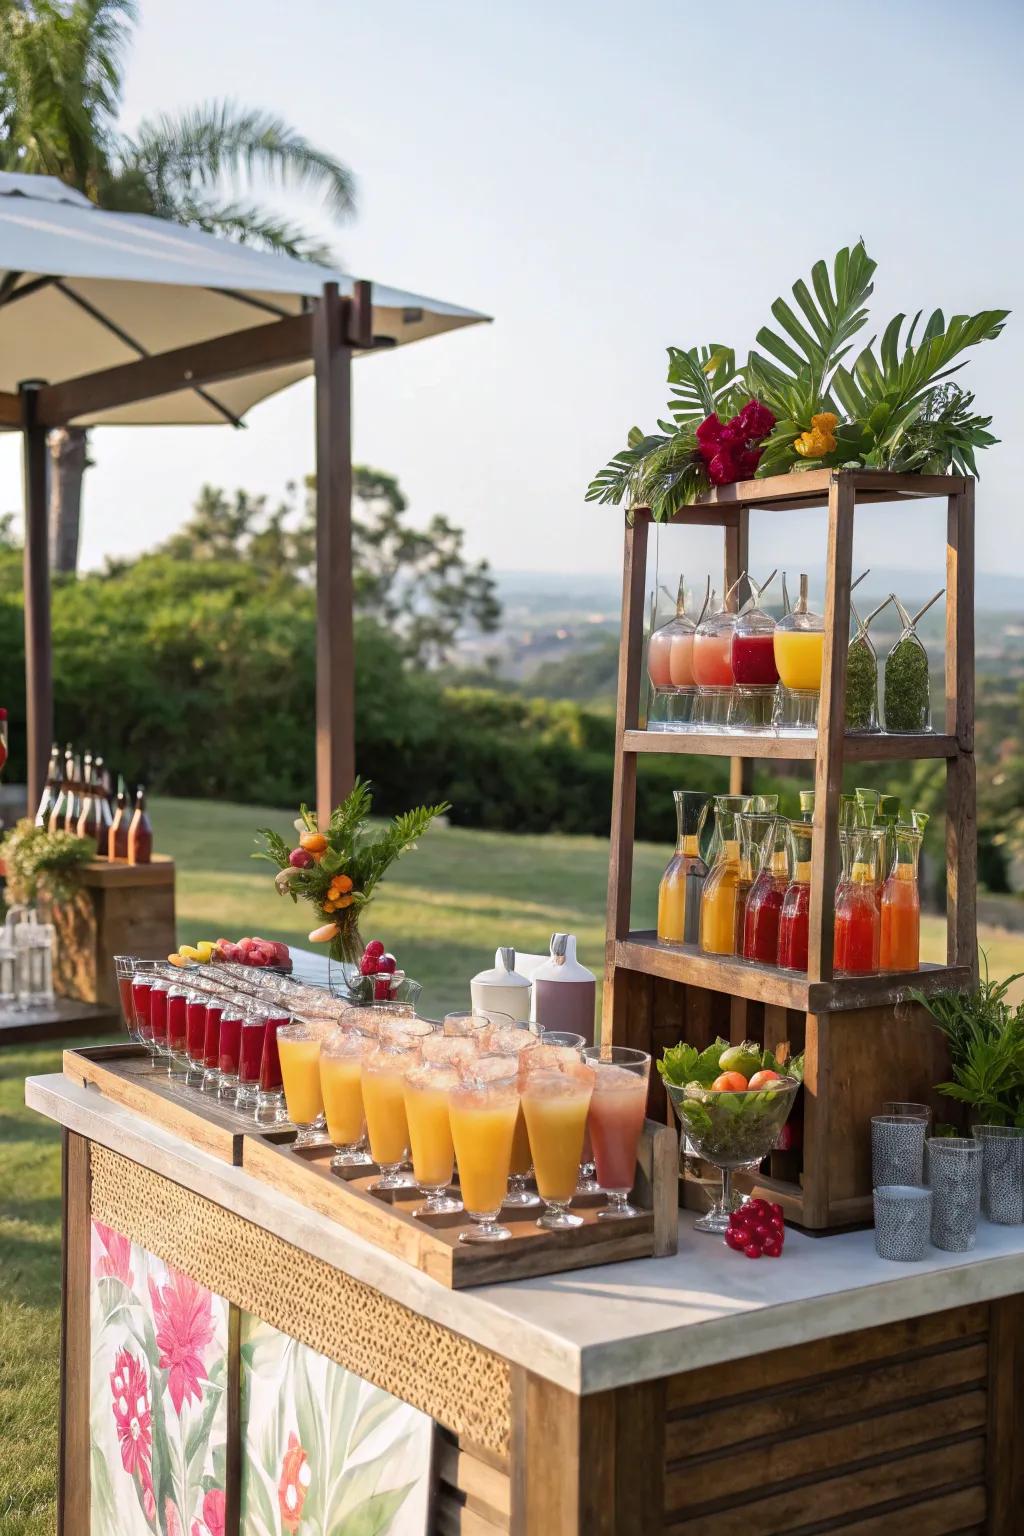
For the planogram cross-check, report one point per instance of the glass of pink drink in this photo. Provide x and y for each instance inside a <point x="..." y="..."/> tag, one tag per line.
<point x="618" y="1107"/>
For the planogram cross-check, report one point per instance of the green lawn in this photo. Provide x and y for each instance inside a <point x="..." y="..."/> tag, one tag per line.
<point x="442" y="910"/>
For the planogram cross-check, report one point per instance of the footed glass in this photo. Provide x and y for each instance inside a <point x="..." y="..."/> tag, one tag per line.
<point x="732" y="1131"/>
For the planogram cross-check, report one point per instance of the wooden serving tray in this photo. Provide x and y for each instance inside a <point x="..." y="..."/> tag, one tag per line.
<point x="432" y="1243"/>
<point x="127" y="1074"/>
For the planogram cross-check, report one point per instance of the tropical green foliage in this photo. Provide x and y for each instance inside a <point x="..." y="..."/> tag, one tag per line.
<point x="986" y="1047"/>
<point x="895" y="410"/>
<point x="40" y="863"/>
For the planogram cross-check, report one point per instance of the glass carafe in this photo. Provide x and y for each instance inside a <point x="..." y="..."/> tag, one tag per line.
<point x="753" y="663"/>
<point x="712" y="663"/>
<point x="901" y="906"/>
<point x="794" y="919"/>
<point x="857" y="925"/>
<point x="718" y="899"/>
<point x="683" y="880"/>
<point x="799" y="643"/>
<point x="754" y="833"/>
<point x="907" y="687"/>
<point x="670" y="669"/>
<point x="862" y="675"/>
<point x="764" y="903"/>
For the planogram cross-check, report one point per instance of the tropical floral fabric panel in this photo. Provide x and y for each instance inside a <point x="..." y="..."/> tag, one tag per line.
<point x="325" y="1453"/>
<point x="158" y="1395"/>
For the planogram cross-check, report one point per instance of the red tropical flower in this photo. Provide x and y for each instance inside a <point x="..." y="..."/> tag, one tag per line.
<point x="296" y="1476"/>
<point x="115" y="1264"/>
<point x="172" y="1519"/>
<point x="183" y="1312"/>
<point x="213" y="1512"/>
<point x="130" y="1388"/>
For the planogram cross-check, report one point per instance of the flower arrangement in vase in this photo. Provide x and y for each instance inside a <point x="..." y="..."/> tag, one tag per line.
<point x="337" y="869"/>
<point x="794" y="405"/>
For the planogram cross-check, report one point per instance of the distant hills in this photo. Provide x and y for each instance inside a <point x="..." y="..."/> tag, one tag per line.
<point x="544" y="595"/>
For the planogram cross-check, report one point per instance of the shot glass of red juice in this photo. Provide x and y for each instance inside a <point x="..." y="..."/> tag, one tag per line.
<point x="211" y="1045"/>
<point x="158" y="1015"/>
<point x="270" y="1101"/>
<point x="124" y="970"/>
<point x="177" y="1031"/>
<point x="195" y="1036"/>
<point x="230" y="1048"/>
<point x="250" y="1058"/>
<point x="143" y="979"/>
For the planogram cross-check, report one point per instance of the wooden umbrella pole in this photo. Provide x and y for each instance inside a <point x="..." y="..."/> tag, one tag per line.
<point x="38" y="636"/>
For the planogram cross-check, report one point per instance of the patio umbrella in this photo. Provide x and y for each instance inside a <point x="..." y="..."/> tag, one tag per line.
<point x="122" y="319"/>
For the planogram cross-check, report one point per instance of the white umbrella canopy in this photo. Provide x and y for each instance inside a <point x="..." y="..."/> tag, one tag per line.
<point x="83" y="290"/>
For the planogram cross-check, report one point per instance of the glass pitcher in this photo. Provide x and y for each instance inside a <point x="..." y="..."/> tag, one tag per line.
<point x="764" y="903"/>
<point x="857" y="924"/>
<point x="753" y="663"/>
<point x="900" y="947"/>
<point x="862" y="675"/>
<point x="670" y="668"/>
<point x="794" y="919"/>
<point x="718" y="899"/>
<point x="755" y="833"/>
<point x="681" y="885"/>
<point x="908" y="707"/>
<point x="799" y="644"/>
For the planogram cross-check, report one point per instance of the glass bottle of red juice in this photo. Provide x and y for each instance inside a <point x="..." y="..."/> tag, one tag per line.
<point x="794" y="919"/>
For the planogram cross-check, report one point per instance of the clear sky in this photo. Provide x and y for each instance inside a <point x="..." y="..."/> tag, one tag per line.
<point x="604" y="179"/>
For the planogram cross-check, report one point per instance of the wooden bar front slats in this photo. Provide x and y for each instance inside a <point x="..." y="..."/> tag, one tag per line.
<point x="844" y="1434"/>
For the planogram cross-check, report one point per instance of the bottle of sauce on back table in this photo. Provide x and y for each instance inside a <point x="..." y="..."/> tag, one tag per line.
<point x="117" y="837"/>
<point x="140" y="833"/>
<point x="564" y="991"/>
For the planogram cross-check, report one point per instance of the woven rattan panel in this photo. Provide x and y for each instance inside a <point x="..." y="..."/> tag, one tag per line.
<point x="445" y="1375"/>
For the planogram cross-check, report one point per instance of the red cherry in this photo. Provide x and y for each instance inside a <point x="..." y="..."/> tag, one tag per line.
<point x="385" y="965"/>
<point x="753" y="1250"/>
<point x="738" y="1218"/>
<point x="758" y="1207"/>
<point x="762" y="1232"/>
<point x="736" y="1239"/>
<point x="777" y="1210"/>
<point x="772" y="1249"/>
<point x="375" y="947"/>
<point x="381" y="988"/>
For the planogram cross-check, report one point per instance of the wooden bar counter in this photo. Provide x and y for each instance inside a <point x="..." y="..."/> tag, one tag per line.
<point x="703" y="1394"/>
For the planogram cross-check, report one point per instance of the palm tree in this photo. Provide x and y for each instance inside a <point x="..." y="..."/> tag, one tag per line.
<point x="61" y="76"/>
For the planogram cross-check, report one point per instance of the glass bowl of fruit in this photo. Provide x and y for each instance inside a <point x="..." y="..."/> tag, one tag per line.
<point x="376" y="978"/>
<point x="732" y="1118"/>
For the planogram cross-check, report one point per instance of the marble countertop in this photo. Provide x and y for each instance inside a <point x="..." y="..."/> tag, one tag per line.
<point x="593" y="1329"/>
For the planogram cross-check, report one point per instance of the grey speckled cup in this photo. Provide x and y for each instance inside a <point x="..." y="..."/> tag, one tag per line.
<point x="954" y="1164"/>
<point x="1002" y="1172"/>
<point x="897" y="1150"/>
<point x="903" y="1214"/>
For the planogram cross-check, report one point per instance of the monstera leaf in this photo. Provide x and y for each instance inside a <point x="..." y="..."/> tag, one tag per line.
<point x="796" y="383"/>
<point x="703" y="382"/>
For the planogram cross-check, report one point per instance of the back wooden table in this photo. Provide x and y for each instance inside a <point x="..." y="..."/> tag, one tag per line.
<point x="703" y="1394"/>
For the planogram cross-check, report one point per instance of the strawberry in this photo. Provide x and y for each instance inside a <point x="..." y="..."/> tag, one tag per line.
<point x="375" y="947"/>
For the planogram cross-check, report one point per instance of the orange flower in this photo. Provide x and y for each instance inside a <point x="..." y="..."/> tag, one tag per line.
<point x="342" y="901"/>
<point x="313" y="842"/>
<point x="296" y="1476"/>
<point x="341" y="883"/>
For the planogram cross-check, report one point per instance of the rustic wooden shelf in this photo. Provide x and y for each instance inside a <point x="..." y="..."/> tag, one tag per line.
<point x="642" y="951"/>
<point x="865" y="1041"/>
<point x="881" y="748"/>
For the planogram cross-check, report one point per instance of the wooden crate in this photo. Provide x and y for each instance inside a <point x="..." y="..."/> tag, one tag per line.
<point x="864" y="1041"/>
<point x="119" y="909"/>
<point x="127" y="1074"/>
<point x="432" y="1243"/>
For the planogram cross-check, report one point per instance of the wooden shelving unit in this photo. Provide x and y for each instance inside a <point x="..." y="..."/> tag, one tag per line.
<point x="865" y="1041"/>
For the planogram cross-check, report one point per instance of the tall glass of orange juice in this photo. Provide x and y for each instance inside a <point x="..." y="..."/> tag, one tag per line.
<point x="483" y="1111"/>
<point x="519" y="1040"/>
<point x="427" y="1088"/>
<point x="341" y="1063"/>
<point x="383" y="1084"/>
<point x="298" y="1047"/>
<point x="555" y="1104"/>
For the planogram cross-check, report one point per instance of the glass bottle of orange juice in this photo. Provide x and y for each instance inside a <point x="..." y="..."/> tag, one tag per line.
<point x="718" y="899"/>
<point x="685" y="873"/>
<point x="900" y="948"/>
<point x="799" y="645"/>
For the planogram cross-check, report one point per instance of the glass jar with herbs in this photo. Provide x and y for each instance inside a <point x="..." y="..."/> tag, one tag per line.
<point x="907" y="688"/>
<point x="862" y="675"/>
